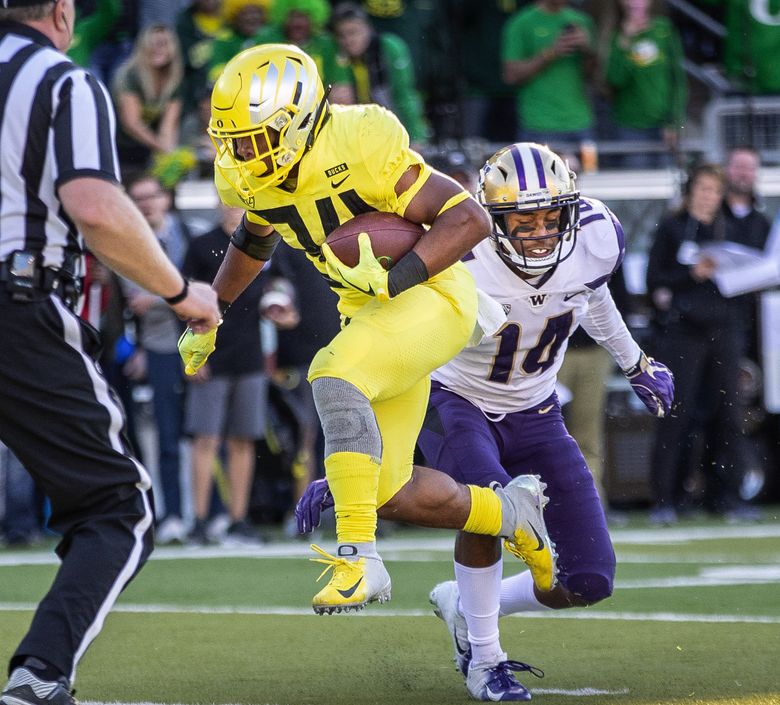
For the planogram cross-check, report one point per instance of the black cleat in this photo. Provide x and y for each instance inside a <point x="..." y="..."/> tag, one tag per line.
<point x="25" y="688"/>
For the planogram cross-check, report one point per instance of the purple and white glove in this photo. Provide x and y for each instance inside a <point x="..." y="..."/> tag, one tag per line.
<point x="316" y="499"/>
<point x="653" y="383"/>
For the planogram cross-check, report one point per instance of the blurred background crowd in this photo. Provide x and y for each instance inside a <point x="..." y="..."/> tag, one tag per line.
<point x="670" y="111"/>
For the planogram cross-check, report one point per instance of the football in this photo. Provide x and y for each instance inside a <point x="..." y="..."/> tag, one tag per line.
<point x="391" y="237"/>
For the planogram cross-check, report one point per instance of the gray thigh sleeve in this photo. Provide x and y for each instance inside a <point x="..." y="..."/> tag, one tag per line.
<point x="348" y="421"/>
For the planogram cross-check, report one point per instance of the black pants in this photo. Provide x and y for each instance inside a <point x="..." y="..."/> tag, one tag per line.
<point x="705" y="364"/>
<point x="64" y="423"/>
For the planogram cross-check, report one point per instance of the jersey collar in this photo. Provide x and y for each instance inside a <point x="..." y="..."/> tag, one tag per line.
<point x="26" y="31"/>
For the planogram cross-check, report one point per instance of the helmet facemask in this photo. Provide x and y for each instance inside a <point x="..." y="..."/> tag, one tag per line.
<point x="529" y="178"/>
<point x="566" y="234"/>
<point x="271" y="162"/>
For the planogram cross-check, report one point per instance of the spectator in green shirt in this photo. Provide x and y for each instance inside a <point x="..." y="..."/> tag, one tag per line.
<point x="92" y="29"/>
<point x="197" y="26"/>
<point x="752" y="44"/>
<point x="647" y="81"/>
<point x="380" y="67"/>
<point x="547" y="50"/>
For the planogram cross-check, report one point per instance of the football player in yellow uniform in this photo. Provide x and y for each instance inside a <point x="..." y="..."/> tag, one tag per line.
<point x="299" y="168"/>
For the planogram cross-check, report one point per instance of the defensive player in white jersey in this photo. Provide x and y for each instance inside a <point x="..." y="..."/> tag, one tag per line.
<point x="493" y="413"/>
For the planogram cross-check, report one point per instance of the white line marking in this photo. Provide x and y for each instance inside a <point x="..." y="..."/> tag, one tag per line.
<point x="579" y="692"/>
<point x="388" y="612"/>
<point x="742" y="575"/>
<point x="709" y="558"/>
<point x="663" y="535"/>
<point x="766" y="572"/>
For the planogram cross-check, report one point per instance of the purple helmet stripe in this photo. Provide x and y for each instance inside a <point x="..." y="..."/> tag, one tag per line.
<point x="519" y="166"/>
<point x="539" y="168"/>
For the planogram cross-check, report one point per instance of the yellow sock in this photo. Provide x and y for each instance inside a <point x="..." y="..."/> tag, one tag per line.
<point x="354" y="483"/>
<point x="485" y="515"/>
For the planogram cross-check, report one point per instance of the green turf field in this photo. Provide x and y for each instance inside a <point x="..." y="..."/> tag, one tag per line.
<point x="695" y="619"/>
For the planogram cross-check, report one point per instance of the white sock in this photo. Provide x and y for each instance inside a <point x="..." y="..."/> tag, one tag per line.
<point x="479" y="602"/>
<point x="353" y="551"/>
<point x="517" y="595"/>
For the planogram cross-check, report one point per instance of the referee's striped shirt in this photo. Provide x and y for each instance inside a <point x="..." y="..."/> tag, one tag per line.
<point x="56" y="124"/>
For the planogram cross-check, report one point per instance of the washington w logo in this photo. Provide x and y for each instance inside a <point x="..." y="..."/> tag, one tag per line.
<point x="537" y="299"/>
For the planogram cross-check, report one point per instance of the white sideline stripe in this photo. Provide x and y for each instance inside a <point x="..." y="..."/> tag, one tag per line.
<point x="385" y="612"/>
<point x="709" y="577"/>
<point x="421" y="547"/>
<point x="710" y="558"/>
<point x="578" y="693"/>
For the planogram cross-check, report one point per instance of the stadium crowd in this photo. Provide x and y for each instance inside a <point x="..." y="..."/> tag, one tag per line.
<point x="567" y="74"/>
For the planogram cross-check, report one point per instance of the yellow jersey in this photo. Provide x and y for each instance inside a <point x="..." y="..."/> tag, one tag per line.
<point x="352" y="168"/>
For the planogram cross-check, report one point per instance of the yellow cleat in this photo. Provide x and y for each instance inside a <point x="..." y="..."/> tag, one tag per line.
<point x="523" y="501"/>
<point x="353" y="583"/>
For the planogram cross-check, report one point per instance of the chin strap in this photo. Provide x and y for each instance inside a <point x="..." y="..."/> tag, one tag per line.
<point x="321" y="116"/>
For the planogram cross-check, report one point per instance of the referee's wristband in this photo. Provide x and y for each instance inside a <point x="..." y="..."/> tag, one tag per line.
<point x="173" y="300"/>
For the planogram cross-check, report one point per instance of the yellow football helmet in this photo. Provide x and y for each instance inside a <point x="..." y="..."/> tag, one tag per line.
<point x="525" y="177"/>
<point x="267" y="106"/>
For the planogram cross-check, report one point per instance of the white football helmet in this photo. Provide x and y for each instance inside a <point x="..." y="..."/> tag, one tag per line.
<point x="273" y="95"/>
<point x="522" y="178"/>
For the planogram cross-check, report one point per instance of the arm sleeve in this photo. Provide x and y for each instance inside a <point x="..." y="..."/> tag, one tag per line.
<point x="605" y="325"/>
<point x="84" y="130"/>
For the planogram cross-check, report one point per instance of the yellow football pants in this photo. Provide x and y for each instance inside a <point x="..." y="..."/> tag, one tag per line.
<point x="388" y="351"/>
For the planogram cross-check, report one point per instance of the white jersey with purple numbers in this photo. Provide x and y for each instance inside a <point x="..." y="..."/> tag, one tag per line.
<point x="516" y="368"/>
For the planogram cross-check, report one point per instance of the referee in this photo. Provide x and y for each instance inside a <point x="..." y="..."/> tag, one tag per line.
<point x="59" y="190"/>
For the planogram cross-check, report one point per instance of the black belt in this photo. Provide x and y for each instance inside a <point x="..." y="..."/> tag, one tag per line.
<point x="44" y="281"/>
